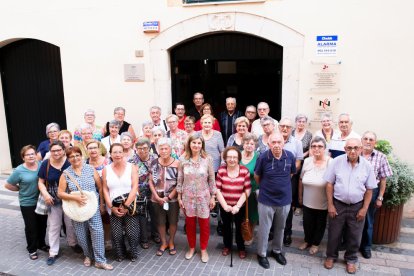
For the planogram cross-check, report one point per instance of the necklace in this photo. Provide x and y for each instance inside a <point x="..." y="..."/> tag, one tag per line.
<point x="161" y="163"/>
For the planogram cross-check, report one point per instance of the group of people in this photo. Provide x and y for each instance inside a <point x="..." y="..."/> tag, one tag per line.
<point x="192" y="161"/>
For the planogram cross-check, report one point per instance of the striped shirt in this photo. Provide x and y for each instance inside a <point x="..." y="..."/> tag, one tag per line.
<point x="233" y="187"/>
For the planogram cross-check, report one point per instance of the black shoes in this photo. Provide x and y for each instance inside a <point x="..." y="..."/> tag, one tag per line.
<point x="287" y="240"/>
<point x="263" y="262"/>
<point x="77" y="249"/>
<point x="366" y="253"/>
<point x="279" y="258"/>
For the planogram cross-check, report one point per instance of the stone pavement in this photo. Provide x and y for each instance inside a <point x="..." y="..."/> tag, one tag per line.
<point x="393" y="259"/>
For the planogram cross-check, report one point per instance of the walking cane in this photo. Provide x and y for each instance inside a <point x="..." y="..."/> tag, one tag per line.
<point x="231" y="247"/>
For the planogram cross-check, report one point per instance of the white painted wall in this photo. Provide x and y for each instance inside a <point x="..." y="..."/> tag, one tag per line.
<point x="97" y="37"/>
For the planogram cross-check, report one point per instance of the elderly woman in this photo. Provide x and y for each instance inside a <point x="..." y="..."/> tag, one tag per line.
<point x="327" y="130"/>
<point x="196" y="193"/>
<point x="233" y="189"/>
<point x="157" y="133"/>
<point x="313" y="196"/>
<point x="249" y="158"/>
<point x="207" y="109"/>
<point x="99" y="162"/>
<point x="236" y="139"/>
<point x="124" y="126"/>
<point x="52" y="131"/>
<point x="65" y="136"/>
<point x="163" y="182"/>
<point x="147" y="127"/>
<point x="128" y="143"/>
<point x="121" y="178"/>
<point x="178" y="137"/>
<point x="302" y="134"/>
<point x="49" y="174"/>
<point x="143" y="159"/>
<point x="113" y="136"/>
<point x="24" y="180"/>
<point x="89" y="117"/>
<point x="268" y="125"/>
<point x="189" y="125"/>
<point x="86" y="134"/>
<point x="214" y="144"/>
<point x="89" y="233"/>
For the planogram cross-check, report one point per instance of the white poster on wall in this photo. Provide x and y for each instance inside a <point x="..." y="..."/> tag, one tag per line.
<point x="325" y="78"/>
<point x="327" y="45"/>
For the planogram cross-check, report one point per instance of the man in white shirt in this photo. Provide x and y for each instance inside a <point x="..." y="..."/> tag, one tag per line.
<point x="338" y="140"/>
<point x="263" y="110"/>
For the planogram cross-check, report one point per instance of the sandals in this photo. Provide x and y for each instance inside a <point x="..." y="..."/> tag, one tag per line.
<point x="161" y="250"/>
<point x="87" y="262"/>
<point x="314" y="249"/>
<point x="172" y="250"/>
<point x="156" y="239"/>
<point x="33" y="256"/>
<point x="144" y="245"/>
<point x="104" y="266"/>
<point x="303" y="246"/>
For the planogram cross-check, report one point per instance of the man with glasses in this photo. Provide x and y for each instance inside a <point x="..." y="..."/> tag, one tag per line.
<point x="295" y="147"/>
<point x="350" y="180"/>
<point x="180" y="112"/>
<point x="198" y="100"/>
<point x="336" y="147"/>
<point x="263" y="111"/>
<point x="250" y="114"/>
<point x="228" y="117"/>
<point x="382" y="170"/>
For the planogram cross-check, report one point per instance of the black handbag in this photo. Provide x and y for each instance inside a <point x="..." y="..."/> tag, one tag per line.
<point x="138" y="206"/>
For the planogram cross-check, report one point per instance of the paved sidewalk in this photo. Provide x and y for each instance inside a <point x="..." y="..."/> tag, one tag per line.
<point x="393" y="259"/>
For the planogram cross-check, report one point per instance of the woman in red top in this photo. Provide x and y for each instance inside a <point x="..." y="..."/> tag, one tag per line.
<point x="207" y="109"/>
<point x="232" y="181"/>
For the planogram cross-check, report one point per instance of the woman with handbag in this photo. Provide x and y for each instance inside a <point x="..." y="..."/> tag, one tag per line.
<point x="49" y="174"/>
<point x="120" y="189"/>
<point x="163" y="182"/>
<point x="142" y="160"/>
<point x="233" y="188"/>
<point x="83" y="177"/>
<point x="196" y="193"/>
<point x="24" y="180"/>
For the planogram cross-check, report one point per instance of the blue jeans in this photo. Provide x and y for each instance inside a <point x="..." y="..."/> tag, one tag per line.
<point x="366" y="241"/>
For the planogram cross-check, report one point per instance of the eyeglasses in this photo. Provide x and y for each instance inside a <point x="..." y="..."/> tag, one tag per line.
<point x="266" y="125"/>
<point x="343" y="122"/>
<point x="92" y="148"/>
<point x="317" y="146"/>
<point x="30" y="154"/>
<point x="252" y="112"/>
<point x="284" y="126"/>
<point x="171" y="122"/>
<point x="53" y="131"/>
<point x="86" y="133"/>
<point x="143" y="149"/>
<point x="55" y="151"/>
<point x="368" y="139"/>
<point x="349" y="148"/>
<point x="76" y="156"/>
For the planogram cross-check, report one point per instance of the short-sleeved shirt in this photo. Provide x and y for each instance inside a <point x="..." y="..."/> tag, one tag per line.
<point x="233" y="188"/>
<point x="164" y="178"/>
<point x="214" y="147"/>
<point x="337" y="144"/>
<point x="350" y="183"/>
<point x="295" y="147"/>
<point x="43" y="148"/>
<point x="52" y="178"/>
<point x="380" y="164"/>
<point x="275" y="178"/>
<point x="27" y="180"/>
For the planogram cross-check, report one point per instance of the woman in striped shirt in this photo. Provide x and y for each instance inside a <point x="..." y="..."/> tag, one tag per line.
<point x="233" y="187"/>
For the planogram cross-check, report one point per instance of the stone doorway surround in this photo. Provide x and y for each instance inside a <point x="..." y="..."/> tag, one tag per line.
<point x="291" y="41"/>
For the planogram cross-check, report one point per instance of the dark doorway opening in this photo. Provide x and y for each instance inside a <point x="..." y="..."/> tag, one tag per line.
<point x="31" y="77"/>
<point x="224" y="65"/>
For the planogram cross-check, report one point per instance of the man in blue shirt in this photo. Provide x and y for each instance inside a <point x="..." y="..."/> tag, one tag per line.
<point x="273" y="172"/>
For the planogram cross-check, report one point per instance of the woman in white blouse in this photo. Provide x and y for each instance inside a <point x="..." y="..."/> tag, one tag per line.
<point x="312" y="195"/>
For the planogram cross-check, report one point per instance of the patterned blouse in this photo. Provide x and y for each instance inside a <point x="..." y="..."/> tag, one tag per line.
<point x="178" y="142"/>
<point x="196" y="184"/>
<point x="144" y="173"/>
<point x="306" y="139"/>
<point x="85" y="180"/>
<point x="164" y="178"/>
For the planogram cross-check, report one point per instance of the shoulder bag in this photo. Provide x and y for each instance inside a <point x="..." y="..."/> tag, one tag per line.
<point x="246" y="229"/>
<point x="41" y="206"/>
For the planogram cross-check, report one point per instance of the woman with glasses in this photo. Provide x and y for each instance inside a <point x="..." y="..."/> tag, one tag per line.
<point x="268" y="125"/>
<point x="189" y="125"/>
<point x="113" y="137"/>
<point x="52" y="132"/>
<point x="312" y="195"/>
<point x="87" y="136"/>
<point x="89" y="233"/>
<point x="89" y="117"/>
<point x="49" y="174"/>
<point x="24" y="180"/>
<point x="143" y="159"/>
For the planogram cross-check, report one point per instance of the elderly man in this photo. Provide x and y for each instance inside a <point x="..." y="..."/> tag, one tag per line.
<point x="382" y="170"/>
<point x="228" y="117"/>
<point x="180" y="112"/>
<point x="124" y="126"/>
<point x="198" y="100"/>
<point x="339" y="138"/>
<point x="263" y="110"/>
<point x="273" y="171"/>
<point x="350" y="180"/>
<point x="295" y="147"/>
<point x="250" y="114"/>
<point x="155" y="114"/>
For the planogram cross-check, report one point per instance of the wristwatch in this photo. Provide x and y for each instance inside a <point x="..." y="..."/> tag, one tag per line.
<point x="380" y="198"/>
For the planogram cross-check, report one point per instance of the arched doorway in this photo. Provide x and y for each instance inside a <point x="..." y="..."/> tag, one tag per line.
<point x="31" y="77"/>
<point x="228" y="64"/>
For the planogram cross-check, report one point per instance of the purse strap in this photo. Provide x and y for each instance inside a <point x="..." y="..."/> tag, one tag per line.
<point x="47" y="174"/>
<point x="247" y="206"/>
<point x="74" y="181"/>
